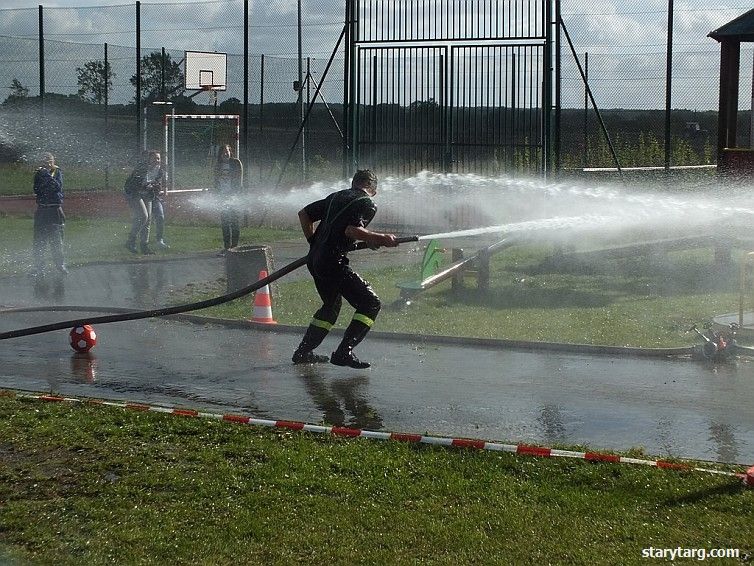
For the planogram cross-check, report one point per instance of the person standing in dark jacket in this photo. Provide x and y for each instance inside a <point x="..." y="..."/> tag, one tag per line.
<point x="49" y="219"/>
<point x="342" y="219"/>
<point x="228" y="182"/>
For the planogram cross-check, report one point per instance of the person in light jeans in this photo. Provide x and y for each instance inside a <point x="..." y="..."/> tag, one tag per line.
<point x="142" y="188"/>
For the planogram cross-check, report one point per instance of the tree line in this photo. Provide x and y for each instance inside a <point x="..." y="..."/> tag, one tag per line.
<point x="161" y="79"/>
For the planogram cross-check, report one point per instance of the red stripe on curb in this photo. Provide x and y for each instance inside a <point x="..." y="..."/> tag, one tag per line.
<point x="747" y="478"/>
<point x="186" y="412"/>
<point x="468" y="443"/>
<point x="345" y="431"/>
<point x="404" y="437"/>
<point x="597" y="457"/>
<point x="672" y="465"/>
<point x="236" y="419"/>
<point x="289" y="424"/>
<point x="533" y="450"/>
<point x="53" y="398"/>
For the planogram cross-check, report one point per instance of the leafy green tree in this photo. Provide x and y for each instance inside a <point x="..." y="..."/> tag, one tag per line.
<point x="17" y="92"/>
<point x="153" y="72"/>
<point x="95" y="80"/>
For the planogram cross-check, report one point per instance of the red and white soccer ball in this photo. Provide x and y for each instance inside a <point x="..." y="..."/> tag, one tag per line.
<point x="83" y="338"/>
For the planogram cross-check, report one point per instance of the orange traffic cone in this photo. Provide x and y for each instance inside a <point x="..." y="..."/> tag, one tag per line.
<point x="263" y="304"/>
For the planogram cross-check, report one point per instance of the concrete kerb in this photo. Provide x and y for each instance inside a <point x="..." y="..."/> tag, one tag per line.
<point x="491" y="343"/>
<point x="747" y="478"/>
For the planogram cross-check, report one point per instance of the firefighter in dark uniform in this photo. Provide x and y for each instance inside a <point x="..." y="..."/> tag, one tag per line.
<point x="342" y="219"/>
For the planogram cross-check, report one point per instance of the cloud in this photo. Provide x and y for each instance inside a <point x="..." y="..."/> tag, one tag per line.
<point x="625" y="39"/>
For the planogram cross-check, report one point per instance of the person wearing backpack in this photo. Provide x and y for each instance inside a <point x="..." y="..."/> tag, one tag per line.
<point x="141" y="188"/>
<point x="342" y="218"/>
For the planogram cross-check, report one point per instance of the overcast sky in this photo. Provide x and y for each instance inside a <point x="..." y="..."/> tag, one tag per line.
<point x="612" y="24"/>
<point x="625" y="39"/>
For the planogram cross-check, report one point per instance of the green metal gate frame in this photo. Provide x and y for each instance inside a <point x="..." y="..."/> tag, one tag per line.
<point x="449" y="85"/>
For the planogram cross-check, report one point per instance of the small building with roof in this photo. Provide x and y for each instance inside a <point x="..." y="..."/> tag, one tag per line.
<point x="730" y="36"/>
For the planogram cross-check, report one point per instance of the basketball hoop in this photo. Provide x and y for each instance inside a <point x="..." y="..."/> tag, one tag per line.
<point x="205" y="72"/>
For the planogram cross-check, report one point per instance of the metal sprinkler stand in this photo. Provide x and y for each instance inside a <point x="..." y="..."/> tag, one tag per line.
<point x="478" y="264"/>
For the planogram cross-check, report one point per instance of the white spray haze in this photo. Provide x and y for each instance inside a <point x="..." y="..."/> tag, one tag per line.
<point x="462" y="205"/>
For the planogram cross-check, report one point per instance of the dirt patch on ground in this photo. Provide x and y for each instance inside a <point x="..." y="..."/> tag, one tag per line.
<point x="105" y="204"/>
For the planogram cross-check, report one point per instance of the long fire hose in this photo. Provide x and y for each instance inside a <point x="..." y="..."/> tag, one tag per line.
<point x="165" y="311"/>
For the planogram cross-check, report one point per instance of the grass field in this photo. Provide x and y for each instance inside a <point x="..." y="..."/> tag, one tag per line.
<point x="18" y="179"/>
<point x="97" y="485"/>
<point x="639" y="302"/>
<point x="88" y="240"/>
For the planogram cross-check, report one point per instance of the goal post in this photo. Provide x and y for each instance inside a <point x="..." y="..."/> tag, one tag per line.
<point x="170" y="122"/>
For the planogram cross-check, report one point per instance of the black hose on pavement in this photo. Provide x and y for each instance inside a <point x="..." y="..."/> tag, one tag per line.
<point x="177" y="309"/>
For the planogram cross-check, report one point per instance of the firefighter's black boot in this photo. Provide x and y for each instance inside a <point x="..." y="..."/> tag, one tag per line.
<point x="344" y="356"/>
<point x="304" y="354"/>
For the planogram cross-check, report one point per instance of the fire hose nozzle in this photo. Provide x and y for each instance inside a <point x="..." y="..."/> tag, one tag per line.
<point x="406" y="239"/>
<point x="401" y="240"/>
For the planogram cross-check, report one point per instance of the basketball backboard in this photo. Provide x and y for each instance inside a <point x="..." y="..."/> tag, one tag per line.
<point x="204" y="70"/>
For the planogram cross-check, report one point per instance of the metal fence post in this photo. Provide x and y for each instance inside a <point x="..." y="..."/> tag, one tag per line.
<point x="301" y="92"/>
<point x="245" y="138"/>
<point x="41" y="71"/>
<point x="668" y="85"/>
<point x="346" y="89"/>
<point x="138" y="74"/>
<point x="261" y="106"/>
<point x="586" y="110"/>
<point x="558" y="85"/>
<point x="107" y="120"/>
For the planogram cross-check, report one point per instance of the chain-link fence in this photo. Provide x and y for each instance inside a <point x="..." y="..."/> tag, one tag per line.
<point x="628" y="84"/>
<point x="103" y="129"/>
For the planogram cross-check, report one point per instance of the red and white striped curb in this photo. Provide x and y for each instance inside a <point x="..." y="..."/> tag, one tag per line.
<point x="523" y="449"/>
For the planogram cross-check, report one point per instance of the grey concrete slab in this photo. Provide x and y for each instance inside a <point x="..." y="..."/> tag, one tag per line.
<point x="135" y="284"/>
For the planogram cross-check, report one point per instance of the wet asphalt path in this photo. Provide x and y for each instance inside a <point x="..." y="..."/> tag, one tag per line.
<point x="669" y="407"/>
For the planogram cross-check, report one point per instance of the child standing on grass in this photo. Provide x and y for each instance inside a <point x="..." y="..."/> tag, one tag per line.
<point x="49" y="219"/>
